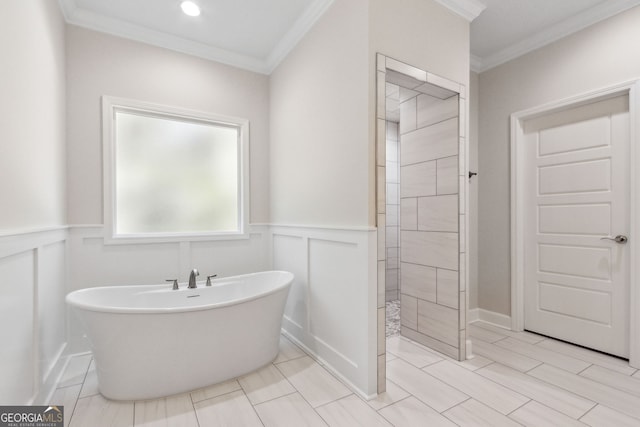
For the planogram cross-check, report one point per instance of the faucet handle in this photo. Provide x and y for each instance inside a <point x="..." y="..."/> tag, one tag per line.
<point x="209" y="279"/>
<point x="175" y="283"/>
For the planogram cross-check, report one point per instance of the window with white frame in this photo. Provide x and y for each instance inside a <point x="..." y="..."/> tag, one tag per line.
<point x="173" y="174"/>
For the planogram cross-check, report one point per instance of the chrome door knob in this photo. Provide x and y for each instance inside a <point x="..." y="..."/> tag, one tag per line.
<point x="618" y="239"/>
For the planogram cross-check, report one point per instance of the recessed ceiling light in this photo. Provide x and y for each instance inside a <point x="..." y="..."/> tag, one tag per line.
<point x="190" y="8"/>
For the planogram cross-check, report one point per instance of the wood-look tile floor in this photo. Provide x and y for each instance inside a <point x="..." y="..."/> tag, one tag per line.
<point x="514" y="379"/>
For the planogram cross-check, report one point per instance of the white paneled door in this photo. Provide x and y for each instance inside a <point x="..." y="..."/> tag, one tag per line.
<point x="577" y="202"/>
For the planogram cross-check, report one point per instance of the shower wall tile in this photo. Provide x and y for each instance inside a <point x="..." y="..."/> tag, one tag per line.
<point x="427" y="341"/>
<point x="418" y="180"/>
<point x="462" y="301"/>
<point x="381" y="238"/>
<point x="393" y="196"/>
<point x="434" y="249"/>
<point x="382" y="373"/>
<point x="409" y="311"/>
<point x="463" y="225"/>
<point x="409" y="214"/>
<point x="433" y="110"/>
<point x="408" y="116"/>
<point x="462" y="197"/>
<point x="392" y="172"/>
<point x="392" y="200"/>
<point x="438" y="322"/>
<point x="381" y="98"/>
<point x="431" y="161"/>
<point x="393" y="212"/>
<point x="438" y="213"/>
<point x="381" y="326"/>
<point x="462" y="122"/>
<point x="381" y="63"/>
<point x="463" y="276"/>
<point x="381" y="283"/>
<point x="448" y="288"/>
<point x="419" y="281"/>
<point x="443" y="82"/>
<point x="448" y="178"/>
<point x="392" y="262"/>
<point x="381" y="189"/>
<point x="381" y="146"/>
<point x="406" y="94"/>
<point x="392" y="131"/>
<point x="462" y="167"/>
<point x="391" y="237"/>
<point x="429" y="143"/>
<point x="391" y="279"/>
<point x="391" y="149"/>
<point x="392" y="91"/>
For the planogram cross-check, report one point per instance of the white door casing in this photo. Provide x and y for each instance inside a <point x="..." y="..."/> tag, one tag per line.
<point x="574" y="181"/>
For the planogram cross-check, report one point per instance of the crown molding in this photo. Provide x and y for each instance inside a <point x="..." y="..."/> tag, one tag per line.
<point x="302" y="25"/>
<point x="468" y="9"/>
<point x="554" y="33"/>
<point x="476" y="63"/>
<point x="93" y="21"/>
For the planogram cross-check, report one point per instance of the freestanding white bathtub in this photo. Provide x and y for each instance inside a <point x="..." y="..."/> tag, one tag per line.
<point x="152" y="341"/>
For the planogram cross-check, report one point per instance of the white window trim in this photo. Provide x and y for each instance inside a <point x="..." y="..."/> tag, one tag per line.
<point x="109" y="107"/>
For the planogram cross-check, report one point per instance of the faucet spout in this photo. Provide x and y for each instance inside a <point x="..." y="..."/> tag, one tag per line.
<point x="192" y="278"/>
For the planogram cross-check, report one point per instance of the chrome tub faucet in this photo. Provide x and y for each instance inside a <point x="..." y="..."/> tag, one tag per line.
<point x="192" y="278"/>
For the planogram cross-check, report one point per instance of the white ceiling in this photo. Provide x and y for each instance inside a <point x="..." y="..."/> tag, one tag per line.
<point x="251" y="34"/>
<point x="257" y="34"/>
<point x="507" y="29"/>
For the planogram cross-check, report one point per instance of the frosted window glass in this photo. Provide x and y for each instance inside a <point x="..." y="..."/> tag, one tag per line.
<point x="174" y="176"/>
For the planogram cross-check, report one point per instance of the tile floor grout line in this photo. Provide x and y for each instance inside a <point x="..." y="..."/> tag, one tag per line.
<point x="75" y="404"/>
<point x="525" y="403"/>
<point x="274" y="398"/>
<point x="254" y="408"/>
<point x="289" y="360"/>
<point x="397" y="401"/>
<point x="532" y="357"/>
<point x="457" y="404"/>
<point x="589" y="410"/>
<point x="193" y="407"/>
<point x="581" y="395"/>
<point x="214" y="397"/>
<point x="298" y="391"/>
<point x="531" y="369"/>
<point x="553" y="386"/>
<point x="580" y="373"/>
<point x="335" y="400"/>
<point x="497" y="383"/>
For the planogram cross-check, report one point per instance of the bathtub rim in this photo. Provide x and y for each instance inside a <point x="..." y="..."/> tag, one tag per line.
<point x="72" y="297"/>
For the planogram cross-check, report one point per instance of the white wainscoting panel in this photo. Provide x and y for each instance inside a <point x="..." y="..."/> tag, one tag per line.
<point x="332" y="305"/>
<point x="32" y="314"/>
<point x="17" y="369"/>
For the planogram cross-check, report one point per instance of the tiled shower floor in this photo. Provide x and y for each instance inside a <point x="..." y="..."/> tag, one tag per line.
<point x="514" y="379"/>
<point x="393" y="318"/>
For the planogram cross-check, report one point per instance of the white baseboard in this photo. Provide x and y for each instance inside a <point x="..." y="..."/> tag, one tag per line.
<point x="52" y="378"/>
<point x="497" y="319"/>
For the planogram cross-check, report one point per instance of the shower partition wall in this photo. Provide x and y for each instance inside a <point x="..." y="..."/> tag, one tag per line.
<point x="432" y="163"/>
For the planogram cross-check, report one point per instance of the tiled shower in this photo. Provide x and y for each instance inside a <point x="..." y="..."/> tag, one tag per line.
<point x="422" y="236"/>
